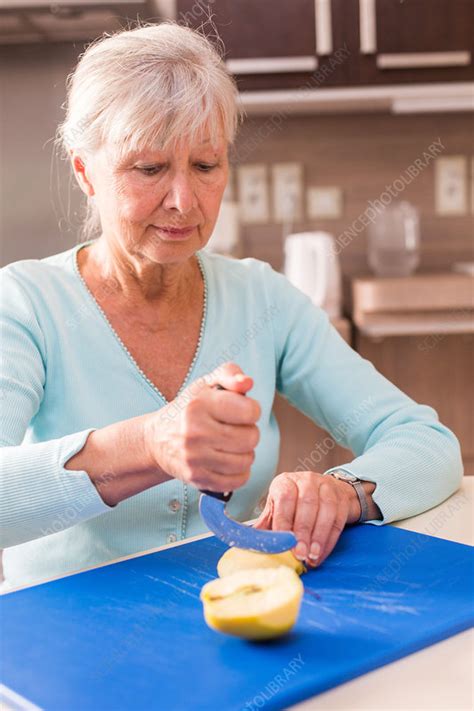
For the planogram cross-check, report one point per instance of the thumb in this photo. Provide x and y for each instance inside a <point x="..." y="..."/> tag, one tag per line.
<point x="231" y="377"/>
<point x="265" y="518"/>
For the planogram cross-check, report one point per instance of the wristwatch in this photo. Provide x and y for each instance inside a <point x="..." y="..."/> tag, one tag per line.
<point x="360" y="491"/>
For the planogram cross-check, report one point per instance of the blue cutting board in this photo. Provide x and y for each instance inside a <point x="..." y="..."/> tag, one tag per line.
<point x="131" y="636"/>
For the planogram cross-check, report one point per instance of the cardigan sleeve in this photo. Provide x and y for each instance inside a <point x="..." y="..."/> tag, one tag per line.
<point x="37" y="494"/>
<point x="400" y="445"/>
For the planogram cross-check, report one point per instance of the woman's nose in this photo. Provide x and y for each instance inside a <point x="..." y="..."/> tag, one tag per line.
<point x="180" y="195"/>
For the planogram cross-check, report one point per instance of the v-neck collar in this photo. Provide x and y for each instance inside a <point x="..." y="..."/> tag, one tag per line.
<point x="114" y="334"/>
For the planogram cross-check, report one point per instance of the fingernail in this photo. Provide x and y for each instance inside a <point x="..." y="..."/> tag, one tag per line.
<point x="301" y="551"/>
<point x="315" y="551"/>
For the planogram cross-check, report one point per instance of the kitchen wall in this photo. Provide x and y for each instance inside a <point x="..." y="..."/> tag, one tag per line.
<point x="361" y="154"/>
<point x="39" y="207"/>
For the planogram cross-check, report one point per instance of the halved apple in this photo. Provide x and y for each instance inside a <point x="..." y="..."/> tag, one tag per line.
<point x="253" y="604"/>
<point x="236" y="559"/>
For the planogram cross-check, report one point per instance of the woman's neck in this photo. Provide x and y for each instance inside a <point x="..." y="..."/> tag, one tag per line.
<point x="136" y="280"/>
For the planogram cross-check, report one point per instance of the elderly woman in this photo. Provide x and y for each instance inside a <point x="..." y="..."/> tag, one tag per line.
<point x="111" y="419"/>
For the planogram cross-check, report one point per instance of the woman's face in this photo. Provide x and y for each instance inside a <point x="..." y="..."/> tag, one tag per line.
<point x="160" y="205"/>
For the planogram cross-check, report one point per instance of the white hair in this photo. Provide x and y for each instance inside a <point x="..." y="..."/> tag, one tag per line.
<point x="146" y="88"/>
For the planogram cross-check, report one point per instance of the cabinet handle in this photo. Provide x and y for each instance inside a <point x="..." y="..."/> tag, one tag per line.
<point x="322" y="12"/>
<point x="413" y="60"/>
<point x="272" y="65"/>
<point x="367" y="26"/>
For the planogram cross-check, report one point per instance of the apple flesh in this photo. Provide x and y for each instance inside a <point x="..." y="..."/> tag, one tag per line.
<point x="253" y="604"/>
<point x="236" y="559"/>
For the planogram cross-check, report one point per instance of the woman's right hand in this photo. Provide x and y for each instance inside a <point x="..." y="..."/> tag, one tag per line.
<point x="206" y="437"/>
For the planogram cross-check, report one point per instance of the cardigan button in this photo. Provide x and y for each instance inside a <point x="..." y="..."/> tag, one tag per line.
<point x="172" y="538"/>
<point x="174" y="505"/>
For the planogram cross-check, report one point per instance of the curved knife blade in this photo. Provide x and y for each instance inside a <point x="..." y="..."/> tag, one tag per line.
<point x="238" y="534"/>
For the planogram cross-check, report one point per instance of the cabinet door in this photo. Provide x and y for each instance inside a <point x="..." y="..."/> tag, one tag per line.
<point x="434" y="370"/>
<point x="273" y="44"/>
<point x="394" y="41"/>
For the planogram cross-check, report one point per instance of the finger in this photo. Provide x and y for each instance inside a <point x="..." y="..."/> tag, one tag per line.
<point x="201" y="429"/>
<point x="327" y="512"/>
<point x="337" y="528"/>
<point x="306" y="513"/>
<point x="237" y="439"/>
<point x="265" y="518"/>
<point x="209" y="480"/>
<point x="232" y="408"/>
<point x="227" y="463"/>
<point x="284" y="493"/>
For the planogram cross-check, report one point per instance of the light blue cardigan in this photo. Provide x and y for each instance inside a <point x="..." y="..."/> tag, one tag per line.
<point x="64" y="372"/>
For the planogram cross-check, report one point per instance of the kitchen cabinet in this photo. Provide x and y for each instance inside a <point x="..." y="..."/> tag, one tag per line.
<point x="435" y="370"/>
<point x="274" y="44"/>
<point x="418" y="331"/>
<point x="311" y="44"/>
<point x="396" y="41"/>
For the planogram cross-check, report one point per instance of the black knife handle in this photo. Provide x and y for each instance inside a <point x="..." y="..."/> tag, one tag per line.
<point x="221" y="495"/>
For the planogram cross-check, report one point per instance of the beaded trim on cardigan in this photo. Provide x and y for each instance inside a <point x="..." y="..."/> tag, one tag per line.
<point x="127" y="352"/>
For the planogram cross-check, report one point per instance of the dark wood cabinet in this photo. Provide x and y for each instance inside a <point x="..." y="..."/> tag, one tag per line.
<point x="424" y="25"/>
<point x="435" y="370"/>
<point x="408" y="41"/>
<point x="269" y="28"/>
<point x="418" y="331"/>
<point x="310" y="44"/>
<point x="274" y="44"/>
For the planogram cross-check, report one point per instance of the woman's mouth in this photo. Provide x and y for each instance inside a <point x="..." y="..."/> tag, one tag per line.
<point x="175" y="232"/>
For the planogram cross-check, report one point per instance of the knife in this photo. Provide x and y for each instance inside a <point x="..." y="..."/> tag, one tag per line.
<point x="212" y="508"/>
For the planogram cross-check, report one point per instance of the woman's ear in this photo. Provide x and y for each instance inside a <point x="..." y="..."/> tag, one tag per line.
<point x="81" y="173"/>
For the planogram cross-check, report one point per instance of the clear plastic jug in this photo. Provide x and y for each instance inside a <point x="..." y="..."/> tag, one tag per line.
<point x="394" y="240"/>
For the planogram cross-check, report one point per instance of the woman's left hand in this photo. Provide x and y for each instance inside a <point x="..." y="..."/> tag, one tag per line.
<point x="315" y="507"/>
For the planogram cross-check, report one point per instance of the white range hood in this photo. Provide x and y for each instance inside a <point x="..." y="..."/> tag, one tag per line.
<point x="23" y="21"/>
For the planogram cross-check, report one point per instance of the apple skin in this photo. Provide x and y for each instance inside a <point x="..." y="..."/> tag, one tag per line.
<point x="235" y="559"/>
<point x="253" y="604"/>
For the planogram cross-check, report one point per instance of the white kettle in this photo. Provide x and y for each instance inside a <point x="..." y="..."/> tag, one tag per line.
<point x="312" y="265"/>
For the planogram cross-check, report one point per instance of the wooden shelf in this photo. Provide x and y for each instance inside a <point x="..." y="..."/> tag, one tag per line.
<point x="416" y="324"/>
<point x="416" y="305"/>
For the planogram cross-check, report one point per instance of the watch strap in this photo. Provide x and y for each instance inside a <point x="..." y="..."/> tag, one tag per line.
<point x="360" y="491"/>
<point x="364" y="505"/>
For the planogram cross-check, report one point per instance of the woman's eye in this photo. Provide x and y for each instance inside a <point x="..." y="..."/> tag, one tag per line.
<point x="205" y="167"/>
<point x="150" y="169"/>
